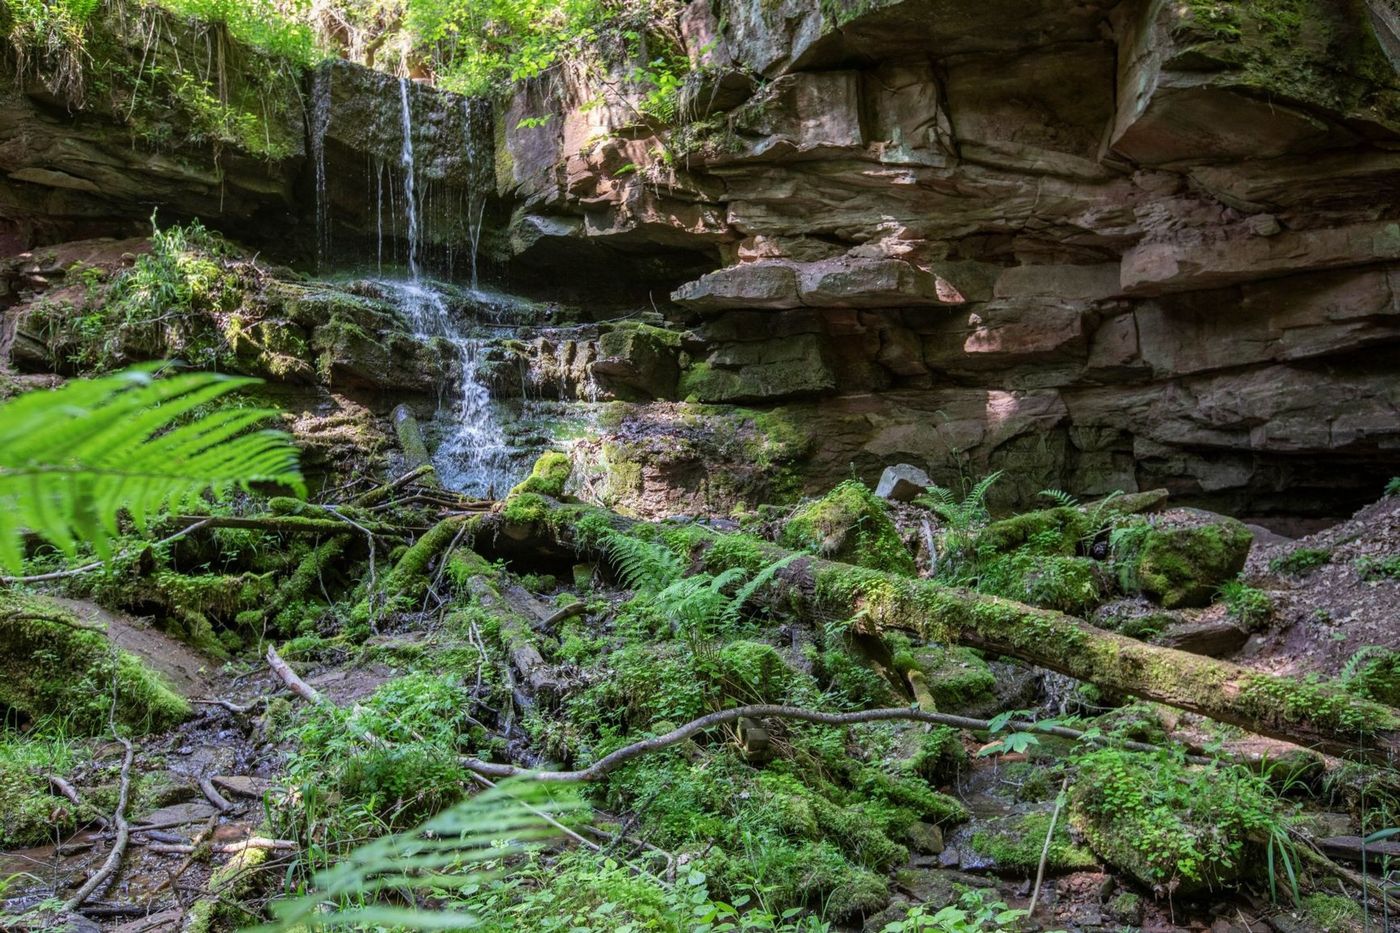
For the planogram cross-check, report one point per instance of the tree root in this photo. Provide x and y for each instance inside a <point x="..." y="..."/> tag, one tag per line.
<point x="114" y="858"/>
<point x="289" y="677"/>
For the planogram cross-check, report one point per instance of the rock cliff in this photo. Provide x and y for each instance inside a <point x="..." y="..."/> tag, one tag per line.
<point x="1100" y="245"/>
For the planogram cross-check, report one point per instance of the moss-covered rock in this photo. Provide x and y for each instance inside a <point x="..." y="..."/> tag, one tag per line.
<point x="958" y="679"/>
<point x="548" y="476"/>
<point x="1171" y="826"/>
<point x="1015" y="844"/>
<point x="1047" y="531"/>
<point x="1180" y="558"/>
<point x="52" y="664"/>
<point x="638" y="362"/>
<point x="850" y="525"/>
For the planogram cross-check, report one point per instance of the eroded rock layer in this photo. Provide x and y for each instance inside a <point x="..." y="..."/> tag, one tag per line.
<point x="1100" y="245"/>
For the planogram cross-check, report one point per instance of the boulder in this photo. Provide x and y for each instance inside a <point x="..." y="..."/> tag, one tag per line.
<point x="902" y="482"/>
<point x="852" y="526"/>
<point x="1180" y="557"/>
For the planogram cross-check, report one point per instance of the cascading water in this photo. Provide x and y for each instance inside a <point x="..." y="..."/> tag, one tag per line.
<point x="474" y="456"/>
<point x="320" y="123"/>
<point x="410" y="194"/>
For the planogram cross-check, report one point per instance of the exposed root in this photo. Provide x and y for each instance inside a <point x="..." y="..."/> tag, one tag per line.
<point x="114" y="858"/>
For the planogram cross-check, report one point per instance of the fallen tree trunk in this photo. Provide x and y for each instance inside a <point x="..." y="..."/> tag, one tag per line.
<point x="1313" y="715"/>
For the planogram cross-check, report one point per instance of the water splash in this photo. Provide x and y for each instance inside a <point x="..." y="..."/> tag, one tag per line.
<point x="474" y="457"/>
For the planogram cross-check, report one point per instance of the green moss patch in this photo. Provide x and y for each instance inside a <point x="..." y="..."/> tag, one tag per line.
<point x="850" y="525"/>
<point x="1180" y="560"/>
<point x="1015" y="844"/>
<point x="53" y="665"/>
<point x="548" y="476"/>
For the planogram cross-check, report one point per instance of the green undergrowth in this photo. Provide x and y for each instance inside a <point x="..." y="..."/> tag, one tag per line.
<point x="219" y="73"/>
<point x="52" y="665"/>
<point x="1190" y="828"/>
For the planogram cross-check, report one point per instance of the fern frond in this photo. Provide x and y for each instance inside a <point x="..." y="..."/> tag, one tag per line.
<point x="459" y="848"/>
<point x="643" y="565"/>
<point x="976" y="499"/>
<point x="1060" y="497"/>
<point x="75" y="459"/>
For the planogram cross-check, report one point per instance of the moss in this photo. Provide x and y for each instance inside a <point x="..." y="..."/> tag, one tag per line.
<point x="548" y="476"/>
<point x="236" y="879"/>
<point x="1050" y="581"/>
<point x="1331" y="913"/>
<point x="1015" y="845"/>
<point x="941" y="756"/>
<point x="852" y="526"/>
<point x="1162" y="822"/>
<point x="1180" y="564"/>
<point x="1050" y="531"/>
<point x="957" y="678"/>
<point x="51" y="664"/>
<point x="30" y="813"/>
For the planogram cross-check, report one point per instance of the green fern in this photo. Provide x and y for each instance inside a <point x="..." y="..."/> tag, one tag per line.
<point x="460" y="848"/>
<point x="960" y="517"/>
<point x="75" y="459"/>
<point x="1060" y="497"/>
<point x="643" y="566"/>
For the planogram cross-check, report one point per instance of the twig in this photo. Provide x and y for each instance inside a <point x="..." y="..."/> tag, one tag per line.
<point x="64" y="788"/>
<point x="212" y="795"/>
<point x="114" y="858"/>
<point x="231" y="706"/>
<point x="1045" y="850"/>
<point x="625" y="754"/>
<point x="98" y="564"/>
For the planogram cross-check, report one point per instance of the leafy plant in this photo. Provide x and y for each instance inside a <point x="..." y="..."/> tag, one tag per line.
<point x="1013" y="741"/>
<point x="960" y="515"/>
<point x="456" y="850"/>
<point x="1300" y="561"/>
<point x="76" y="459"/>
<point x="975" y="912"/>
<point x="1251" y="606"/>
<point x="1392" y="488"/>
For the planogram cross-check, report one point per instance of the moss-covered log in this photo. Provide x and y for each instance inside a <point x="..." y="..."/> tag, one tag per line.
<point x="1315" y="715"/>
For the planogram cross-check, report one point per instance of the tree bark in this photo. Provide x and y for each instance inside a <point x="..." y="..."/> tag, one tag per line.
<point x="1318" y="716"/>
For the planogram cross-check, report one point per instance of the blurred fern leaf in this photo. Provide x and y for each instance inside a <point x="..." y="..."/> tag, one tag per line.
<point x="75" y="459"/>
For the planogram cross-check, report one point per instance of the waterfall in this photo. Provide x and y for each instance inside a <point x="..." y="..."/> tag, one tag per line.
<point x="409" y="194"/>
<point x="320" y="123"/>
<point x="474" y="456"/>
<point x="476" y="197"/>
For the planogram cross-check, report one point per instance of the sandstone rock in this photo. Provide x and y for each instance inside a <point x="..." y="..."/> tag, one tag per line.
<point x="830" y="283"/>
<point x="1156" y="268"/>
<point x="902" y="482"/>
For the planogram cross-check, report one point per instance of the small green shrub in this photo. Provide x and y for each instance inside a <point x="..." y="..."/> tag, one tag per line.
<point x="1300" y="561"/>
<point x="1252" y="607"/>
<point x="1378" y="569"/>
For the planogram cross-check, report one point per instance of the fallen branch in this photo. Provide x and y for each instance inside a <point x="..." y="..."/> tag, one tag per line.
<point x="98" y="565"/>
<point x="64" y="788"/>
<point x="211" y="794"/>
<point x="289" y="677"/>
<point x="291" y="524"/>
<point x="231" y="706"/>
<point x="1045" y="850"/>
<point x="621" y="756"/>
<point x="1319" y="716"/>
<point x="225" y="848"/>
<point x="114" y="858"/>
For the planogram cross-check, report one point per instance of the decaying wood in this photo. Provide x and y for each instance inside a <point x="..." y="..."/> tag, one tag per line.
<point x="415" y="449"/>
<point x="1316" y="716"/>
<point x="289" y="677"/>
<point x="1351" y="849"/>
<point x="211" y="794"/>
<point x="123" y="834"/>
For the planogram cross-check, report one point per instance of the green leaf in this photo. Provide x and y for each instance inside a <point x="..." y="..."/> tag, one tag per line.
<point x="75" y="459"/>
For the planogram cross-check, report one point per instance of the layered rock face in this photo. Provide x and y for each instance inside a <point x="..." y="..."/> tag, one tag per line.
<point x="155" y="112"/>
<point x="1100" y="245"/>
